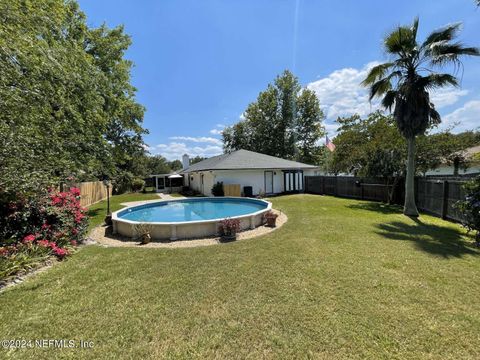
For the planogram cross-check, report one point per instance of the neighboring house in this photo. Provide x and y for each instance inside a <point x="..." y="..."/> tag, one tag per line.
<point x="264" y="173"/>
<point x="472" y="155"/>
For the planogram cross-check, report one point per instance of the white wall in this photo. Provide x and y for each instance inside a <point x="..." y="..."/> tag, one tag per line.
<point x="254" y="178"/>
<point x="448" y="170"/>
<point x="196" y="182"/>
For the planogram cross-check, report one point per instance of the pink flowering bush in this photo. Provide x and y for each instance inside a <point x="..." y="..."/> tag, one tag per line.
<point x="229" y="227"/>
<point x="49" y="225"/>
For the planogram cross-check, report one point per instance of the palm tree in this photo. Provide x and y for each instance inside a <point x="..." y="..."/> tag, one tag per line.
<point x="404" y="84"/>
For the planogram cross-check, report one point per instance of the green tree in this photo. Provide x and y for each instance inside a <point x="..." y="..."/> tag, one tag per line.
<point x="67" y="107"/>
<point x="444" y="148"/>
<point x="405" y="82"/>
<point x="308" y="128"/>
<point x="175" y="165"/>
<point x="374" y="147"/>
<point x="196" y="159"/>
<point x="370" y="147"/>
<point x="157" y="164"/>
<point x="284" y="121"/>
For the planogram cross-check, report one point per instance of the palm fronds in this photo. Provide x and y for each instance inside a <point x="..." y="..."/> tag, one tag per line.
<point x="402" y="82"/>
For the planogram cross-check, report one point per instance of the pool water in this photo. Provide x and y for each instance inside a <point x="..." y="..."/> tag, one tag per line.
<point x="192" y="210"/>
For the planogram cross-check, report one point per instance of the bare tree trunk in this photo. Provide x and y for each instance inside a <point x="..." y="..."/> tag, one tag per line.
<point x="410" y="209"/>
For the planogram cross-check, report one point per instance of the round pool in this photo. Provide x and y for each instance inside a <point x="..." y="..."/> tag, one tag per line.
<point x="188" y="218"/>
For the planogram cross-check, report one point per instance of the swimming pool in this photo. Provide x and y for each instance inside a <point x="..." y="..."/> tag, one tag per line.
<point x="189" y="218"/>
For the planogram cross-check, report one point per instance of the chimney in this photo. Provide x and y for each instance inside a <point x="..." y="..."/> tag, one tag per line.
<point x="185" y="161"/>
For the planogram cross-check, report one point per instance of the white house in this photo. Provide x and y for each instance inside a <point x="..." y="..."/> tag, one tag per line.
<point x="264" y="173"/>
<point x="472" y="155"/>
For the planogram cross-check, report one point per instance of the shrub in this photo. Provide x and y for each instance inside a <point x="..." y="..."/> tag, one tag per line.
<point x="18" y="257"/>
<point x="186" y="191"/>
<point x="45" y="225"/>
<point x="217" y="189"/>
<point x="470" y="207"/>
<point x="137" y="184"/>
<point x="229" y="227"/>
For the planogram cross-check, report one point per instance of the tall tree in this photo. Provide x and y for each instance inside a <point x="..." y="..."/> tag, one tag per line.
<point x="196" y="159"/>
<point x="284" y="121"/>
<point x="405" y="81"/>
<point x="308" y="128"/>
<point x="157" y="164"/>
<point x="67" y="107"/>
<point x="175" y="165"/>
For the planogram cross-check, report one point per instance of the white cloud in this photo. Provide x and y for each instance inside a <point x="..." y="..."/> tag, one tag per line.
<point x="218" y="129"/>
<point x="464" y="118"/>
<point x="175" y="150"/>
<point x="200" y="139"/>
<point x="331" y="128"/>
<point x="340" y="94"/>
<point x="446" y="96"/>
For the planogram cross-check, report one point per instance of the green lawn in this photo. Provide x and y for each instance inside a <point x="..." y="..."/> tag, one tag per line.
<point x="341" y="279"/>
<point x="97" y="211"/>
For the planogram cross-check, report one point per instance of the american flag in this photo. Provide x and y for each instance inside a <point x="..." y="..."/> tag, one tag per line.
<point x="329" y="144"/>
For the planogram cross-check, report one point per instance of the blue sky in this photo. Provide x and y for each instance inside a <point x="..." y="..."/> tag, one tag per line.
<point x="198" y="64"/>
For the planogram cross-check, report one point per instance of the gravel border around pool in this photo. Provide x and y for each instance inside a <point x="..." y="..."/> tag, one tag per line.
<point x="103" y="236"/>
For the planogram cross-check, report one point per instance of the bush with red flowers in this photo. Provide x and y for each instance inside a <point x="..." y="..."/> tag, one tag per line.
<point x="48" y="225"/>
<point x="229" y="227"/>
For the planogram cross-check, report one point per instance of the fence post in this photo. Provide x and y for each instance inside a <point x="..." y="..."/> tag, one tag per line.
<point x="335" y="190"/>
<point x="444" y="199"/>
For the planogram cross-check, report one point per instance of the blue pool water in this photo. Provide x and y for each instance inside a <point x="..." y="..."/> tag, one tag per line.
<point x="192" y="210"/>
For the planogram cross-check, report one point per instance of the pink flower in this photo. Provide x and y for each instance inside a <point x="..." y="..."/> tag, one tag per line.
<point x="43" y="243"/>
<point x="28" y="239"/>
<point x="74" y="231"/>
<point x="60" y="252"/>
<point x="52" y="245"/>
<point x="73" y="242"/>
<point x="56" y="200"/>
<point x="79" y="217"/>
<point x="3" y="251"/>
<point x="45" y="226"/>
<point x="75" y="191"/>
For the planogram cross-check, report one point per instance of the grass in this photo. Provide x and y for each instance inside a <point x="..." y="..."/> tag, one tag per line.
<point x="341" y="279"/>
<point x="97" y="211"/>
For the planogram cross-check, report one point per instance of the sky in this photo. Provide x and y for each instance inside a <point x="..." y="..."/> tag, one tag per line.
<point x="198" y="64"/>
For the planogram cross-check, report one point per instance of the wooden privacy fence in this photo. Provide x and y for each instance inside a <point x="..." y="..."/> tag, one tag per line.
<point x="347" y="186"/>
<point x="91" y="192"/>
<point x="436" y="197"/>
<point x="231" y="189"/>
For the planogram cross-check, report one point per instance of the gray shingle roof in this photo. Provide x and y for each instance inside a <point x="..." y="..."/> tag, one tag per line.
<point x="244" y="159"/>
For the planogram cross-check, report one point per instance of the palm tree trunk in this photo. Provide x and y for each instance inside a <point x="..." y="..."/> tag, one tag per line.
<point x="410" y="209"/>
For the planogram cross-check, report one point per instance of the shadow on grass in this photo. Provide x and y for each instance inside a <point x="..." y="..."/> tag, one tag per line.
<point x="94" y="212"/>
<point x="377" y="207"/>
<point x="438" y="240"/>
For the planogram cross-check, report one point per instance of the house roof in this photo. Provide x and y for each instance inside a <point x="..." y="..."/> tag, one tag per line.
<point x="244" y="159"/>
<point x="472" y="151"/>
